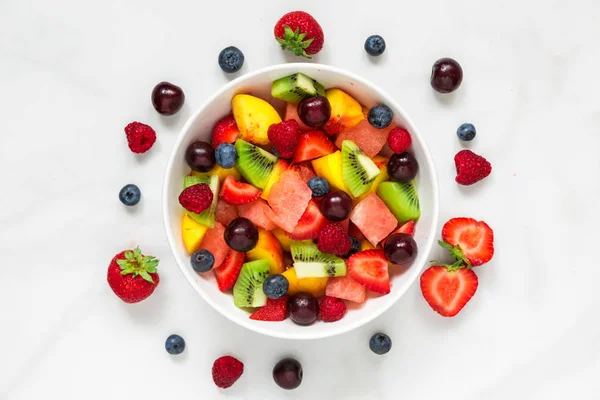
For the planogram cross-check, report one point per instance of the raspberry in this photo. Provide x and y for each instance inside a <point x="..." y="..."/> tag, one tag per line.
<point x="284" y="137"/>
<point x="399" y="140"/>
<point x="274" y="310"/>
<point x="226" y="371"/>
<point x="196" y="198"/>
<point x="334" y="239"/>
<point x="332" y="309"/>
<point x="140" y="137"/>
<point x="470" y="167"/>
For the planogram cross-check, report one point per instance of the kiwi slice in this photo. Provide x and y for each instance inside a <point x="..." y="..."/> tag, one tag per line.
<point x="206" y="217"/>
<point x="254" y="163"/>
<point x="309" y="262"/>
<point x="358" y="170"/>
<point x="248" y="289"/>
<point x="402" y="199"/>
<point x="295" y="88"/>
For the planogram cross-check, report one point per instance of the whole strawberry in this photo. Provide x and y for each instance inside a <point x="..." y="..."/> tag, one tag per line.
<point x="132" y="276"/>
<point x="140" y="137"/>
<point x="300" y="33"/>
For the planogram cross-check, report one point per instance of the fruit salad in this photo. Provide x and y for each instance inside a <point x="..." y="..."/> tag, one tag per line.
<point x="293" y="205"/>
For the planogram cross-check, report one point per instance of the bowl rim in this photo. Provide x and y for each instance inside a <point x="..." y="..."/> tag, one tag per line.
<point x="305" y="335"/>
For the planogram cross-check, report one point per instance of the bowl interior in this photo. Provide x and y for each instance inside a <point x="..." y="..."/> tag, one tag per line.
<point x="199" y="127"/>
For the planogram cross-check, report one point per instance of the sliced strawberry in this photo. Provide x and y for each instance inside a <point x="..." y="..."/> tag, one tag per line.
<point x="225" y="131"/>
<point x="370" y="269"/>
<point x="238" y="193"/>
<point x="274" y="310"/>
<point x="311" y="145"/>
<point x="468" y="240"/>
<point x="227" y="273"/>
<point x="311" y="222"/>
<point x="408" y="228"/>
<point x="447" y="289"/>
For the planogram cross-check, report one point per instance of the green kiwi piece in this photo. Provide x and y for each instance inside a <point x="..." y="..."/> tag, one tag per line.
<point x="254" y="163"/>
<point x="248" y="289"/>
<point x="402" y="199"/>
<point x="309" y="262"/>
<point x="206" y="217"/>
<point x="294" y="88"/>
<point x="358" y="170"/>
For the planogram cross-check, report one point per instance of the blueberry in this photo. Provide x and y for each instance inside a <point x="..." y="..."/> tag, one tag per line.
<point x="276" y="286"/>
<point x="380" y="116"/>
<point x="275" y="152"/>
<point x="466" y="132"/>
<point x="175" y="344"/>
<point x="202" y="260"/>
<point x="226" y="155"/>
<point x="130" y="195"/>
<point x="319" y="186"/>
<point x="231" y="59"/>
<point x="380" y="343"/>
<point x="375" y="45"/>
<point x="355" y="248"/>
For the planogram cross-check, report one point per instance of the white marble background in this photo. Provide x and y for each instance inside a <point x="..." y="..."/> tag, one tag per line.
<point x="74" y="73"/>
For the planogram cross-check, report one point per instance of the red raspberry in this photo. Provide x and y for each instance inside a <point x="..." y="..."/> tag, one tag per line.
<point x="470" y="168"/>
<point x="226" y="371"/>
<point x="140" y="137"/>
<point x="334" y="239"/>
<point x="332" y="309"/>
<point x="399" y="140"/>
<point x="196" y="198"/>
<point x="284" y="137"/>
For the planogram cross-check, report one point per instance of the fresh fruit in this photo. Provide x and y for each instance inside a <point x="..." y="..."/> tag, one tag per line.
<point x="291" y="113"/>
<point x="220" y="173"/>
<point x="238" y="193"/>
<point x="248" y="291"/>
<point x="333" y="239"/>
<point x="167" y="98"/>
<point x="403" y="167"/>
<point x="225" y="131"/>
<point x="380" y="343"/>
<point x="284" y="137"/>
<point x="383" y="176"/>
<point x="380" y="116"/>
<point x="314" y="286"/>
<point x="268" y="248"/>
<point x="309" y="262"/>
<point x="202" y="260"/>
<point x="140" y="137"/>
<point x="130" y="195"/>
<point x="318" y="186"/>
<point x="448" y="289"/>
<point x="275" y="286"/>
<point x="400" y="248"/>
<point x="226" y="155"/>
<point x="174" y="344"/>
<point x="332" y="309"/>
<point x="469" y="240"/>
<point x="373" y="218"/>
<point x="310" y="224"/>
<point x="207" y="217"/>
<point x="192" y="233"/>
<point x="354" y="247"/>
<point x="366" y="245"/>
<point x="280" y="167"/>
<point x="304" y="169"/>
<point x="225" y="212"/>
<point x="254" y="163"/>
<point x="231" y="59"/>
<point x="253" y="117"/>
<point x="132" y="276"/>
<point x="275" y="310"/>
<point x="370" y="269"/>
<point x="214" y="242"/>
<point x="408" y="228"/>
<point x="466" y="132"/>
<point x="259" y="213"/>
<point x="228" y="272"/>
<point x="200" y="156"/>
<point x="288" y="199"/>
<point x="241" y="234"/>
<point x="287" y="373"/>
<point x="314" y="111"/>
<point x="336" y="206"/>
<point x="402" y="199"/>
<point x="345" y="112"/>
<point x="196" y="198"/>
<point x="358" y="170"/>
<point x="226" y="371"/>
<point x="300" y="33"/>
<point x="304" y="308"/>
<point x="470" y="167"/>
<point x="294" y="88"/>
<point x="330" y="168"/>
<point x="346" y="288"/>
<point x="399" y="140"/>
<point x="283" y="238"/>
<point x="370" y="140"/>
<point x="446" y="75"/>
<point x="375" y="45"/>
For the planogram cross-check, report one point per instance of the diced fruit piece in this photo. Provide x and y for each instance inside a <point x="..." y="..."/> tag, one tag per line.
<point x="225" y="131"/>
<point x="274" y="310"/>
<point x="311" y="145"/>
<point x="215" y="243"/>
<point x="280" y="167"/>
<point x="448" y="291"/>
<point x="288" y="199"/>
<point x="238" y="193"/>
<point x="227" y="273"/>
<point x="373" y="219"/>
<point x="383" y="176"/>
<point x="408" y="228"/>
<point x="330" y="168"/>
<point x="220" y="172"/>
<point x="309" y="262"/>
<point x="283" y="238"/>
<point x="304" y="170"/>
<point x="225" y="212"/>
<point x="311" y="222"/>
<point x="258" y="212"/>
<point x="402" y="199"/>
<point x="366" y="245"/>
<point x="358" y="170"/>
<point x="345" y="112"/>
<point x="192" y="233"/>
<point x="294" y="88"/>
<point x="207" y="217"/>
<point x="370" y="140"/>
<point x="370" y="269"/>
<point x="269" y="249"/>
<point x="291" y="113"/>
<point x="344" y="287"/>
<point x="248" y="291"/>
<point x="469" y="239"/>
<point x="314" y="286"/>
<point x="253" y="117"/>
<point x="254" y="163"/>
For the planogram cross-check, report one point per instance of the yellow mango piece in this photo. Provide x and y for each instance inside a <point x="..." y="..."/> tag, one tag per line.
<point x="314" y="286"/>
<point x="253" y="117"/>
<point x="330" y="168"/>
<point x="192" y="233"/>
<point x="383" y="176"/>
<point x="221" y="172"/>
<point x="366" y="245"/>
<point x="284" y="239"/>
<point x="345" y="111"/>
<point x="267" y="248"/>
<point x="278" y="169"/>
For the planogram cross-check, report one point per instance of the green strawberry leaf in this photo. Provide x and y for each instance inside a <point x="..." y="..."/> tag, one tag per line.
<point x="146" y="276"/>
<point x="129" y="255"/>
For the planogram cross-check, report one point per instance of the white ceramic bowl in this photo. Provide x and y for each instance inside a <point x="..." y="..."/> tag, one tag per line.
<point x="199" y="127"/>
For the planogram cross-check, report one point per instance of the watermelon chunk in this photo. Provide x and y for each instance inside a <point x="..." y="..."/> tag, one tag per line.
<point x="215" y="243"/>
<point x="370" y="140"/>
<point x="288" y="199"/>
<point x="291" y="112"/>
<point x="258" y="212"/>
<point x="373" y="218"/>
<point x="226" y="212"/>
<point x="346" y="288"/>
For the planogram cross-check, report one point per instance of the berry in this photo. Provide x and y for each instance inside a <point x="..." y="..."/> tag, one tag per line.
<point x="336" y="206"/>
<point x="375" y="45"/>
<point x="310" y="223"/>
<point x="448" y="289"/>
<point x="200" y="156"/>
<point x="300" y="33"/>
<point x="311" y="145"/>
<point x="470" y="167"/>
<point x="226" y="155"/>
<point x="380" y="343"/>
<point x="202" y="260"/>
<point x="276" y="286"/>
<point x="241" y="234"/>
<point x="225" y="131"/>
<point x="140" y="137"/>
<point x="274" y="310"/>
<point x="354" y="247"/>
<point x="132" y="276"/>
<point x="446" y="75"/>
<point x="314" y="111"/>
<point x="319" y="186"/>
<point x="238" y="193"/>
<point x="370" y="269"/>
<point x="334" y="239"/>
<point x="304" y="308"/>
<point x="228" y="272"/>
<point x="167" y="98"/>
<point x="331" y="309"/>
<point x="466" y="132"/>
<point x="226" y="371"/>
<point x="175" y="344"/>
<point x="399" y="140"/>
<point x="400" y="248"/>
<point x="403" y="167"/>
<point x="130" y="195"/>
<point x="196" y="198"/>
<point x="231" y="59"/>
<point x="468" y="240"/>
<point x="284" y="137"/>
<point x="287" y="373"/>
<point x="380" y="116"/>
<point x="408" y="228"/>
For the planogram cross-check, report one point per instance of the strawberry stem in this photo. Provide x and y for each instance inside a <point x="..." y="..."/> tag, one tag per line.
<point x="294" y="41"/>
<point x="137" y="264"/>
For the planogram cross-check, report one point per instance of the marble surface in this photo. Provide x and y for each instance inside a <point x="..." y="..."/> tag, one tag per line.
<point x="74" y="73"/>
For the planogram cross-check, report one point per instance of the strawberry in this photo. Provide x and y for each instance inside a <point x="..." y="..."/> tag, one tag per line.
<point x="225" y="131"/>
<point x="300" y="33"/>
<point x="408" y="228"/>
<point x="468" y="240"/>
<point x="274" y="310"/>
<point x="132" y="276"/>
<point x="470" y="167"/>
<point x="284" y="137"/>
<point x="313" y="144"/>
<point x="238" y="193"/>
<point x="447" y="288"/>
<point x="229" y="270"/>
<point x="310" y="224"/>
<point x="370" y="269"/>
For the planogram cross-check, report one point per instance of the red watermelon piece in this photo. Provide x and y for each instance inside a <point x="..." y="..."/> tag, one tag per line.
<point x="288" y="198"/>
<point x="291" y="112"/>
<point x="370" y="140"/>
<point x="258" y="212"/>
<point x="304" y="170"/>
<point x="215" y="243"/>
<point x="226" y="212"/>
<point x="346" y="288"/>
<point x="373" y="218"/>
